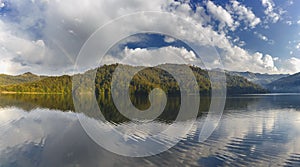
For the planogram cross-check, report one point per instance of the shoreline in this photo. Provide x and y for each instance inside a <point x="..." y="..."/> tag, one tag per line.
<point x="30" y="93"/>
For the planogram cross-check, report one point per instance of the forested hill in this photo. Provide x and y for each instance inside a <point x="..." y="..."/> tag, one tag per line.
<point x="18" y="79"/>
<point x="150" y="78"/>
<point x="46" y="85"/>
<point x="142" y="82"/>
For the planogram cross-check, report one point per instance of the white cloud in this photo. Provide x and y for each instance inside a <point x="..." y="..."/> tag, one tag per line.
<point x="261" y="36"/>
<point x="234" y="59"/>
<point x="237" y="59"/>
<point x="290" y="2"/>
<point x="2" y="4"/>
<point x="264" y="38"/>
<point x="19" y="53"/>
<point x="244" y="14"/>
<point x="298" y="46"/>
<point x="289" y="22"/>
<point x="290" y="65"/>
<point x="64" y="28"/>
<point x="241" y="43"/>
<point x="219" y="13"/>
<point x="238" y="41"/>
<point x="268" y="61"/>
<point x="152" y="57"/>
<point x="169" y="39"/>
<point x="269" y="11"/>
<point x="22" y="49"/>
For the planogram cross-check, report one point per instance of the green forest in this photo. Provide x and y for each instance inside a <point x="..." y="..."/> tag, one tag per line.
<point x="142" y="83"/>
<point x="24" y="78"/>
<point x="47" y="85"/>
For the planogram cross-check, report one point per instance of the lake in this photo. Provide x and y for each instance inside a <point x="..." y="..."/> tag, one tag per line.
<point x="255" y="130"/>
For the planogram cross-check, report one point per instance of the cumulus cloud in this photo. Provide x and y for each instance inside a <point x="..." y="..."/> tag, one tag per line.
<point x="290" y="65"/>
<point x="237" y="59"/>
<point x="62" y="27"/>
<point x="49" y="34"/>
<point x="244" y="14"/>
<point x="23" y="48"/>
<point x="19" y="53"/>
<point x="269" y="11"/>
<point x="152" y="57"/>
<point x="219" y="13"/>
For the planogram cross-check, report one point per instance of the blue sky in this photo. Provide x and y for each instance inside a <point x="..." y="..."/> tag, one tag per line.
<point x="44" y="36"/>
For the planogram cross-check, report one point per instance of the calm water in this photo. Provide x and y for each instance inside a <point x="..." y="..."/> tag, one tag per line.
<point x="255" y="130"/>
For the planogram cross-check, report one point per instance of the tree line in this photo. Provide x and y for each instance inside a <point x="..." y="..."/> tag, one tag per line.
<point x="142" y="83"/>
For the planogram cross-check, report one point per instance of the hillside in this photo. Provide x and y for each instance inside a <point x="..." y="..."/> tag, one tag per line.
<point x="18" y="79"/>
<point x="142" y="83"/>
<point x="149" y="78"/>
<point x="240" y="85"/>
<point x="290" y="84"/>
<point x="47" y="85"/>
<point x="257" y="78"/>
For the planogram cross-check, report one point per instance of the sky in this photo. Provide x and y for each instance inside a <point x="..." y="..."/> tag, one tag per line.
<point x="45" y="36"/>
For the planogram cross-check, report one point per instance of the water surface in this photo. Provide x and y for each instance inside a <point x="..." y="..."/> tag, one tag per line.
<point x="255" y="130"/>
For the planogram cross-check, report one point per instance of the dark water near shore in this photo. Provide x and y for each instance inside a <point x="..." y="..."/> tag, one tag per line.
<point x="255" y="130"/>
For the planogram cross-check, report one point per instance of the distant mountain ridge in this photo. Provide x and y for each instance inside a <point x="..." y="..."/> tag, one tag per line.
<point x="274" y="83"/>
<point x="289" y="84"/>
<point x="258" y="78"/>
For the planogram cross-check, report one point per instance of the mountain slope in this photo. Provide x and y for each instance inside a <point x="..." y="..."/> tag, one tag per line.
<point x="257" y="78"/>
<point x="240" y="85"/>
<point x="47" y="85"/>
<point x="18" y="79"/>
<point x="290" y="84"/>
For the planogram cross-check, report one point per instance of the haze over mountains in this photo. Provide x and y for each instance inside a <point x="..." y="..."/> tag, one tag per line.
<point x="275" y="83"/>
<point x="260" y="79"/>
<point x="288" y="84"/>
